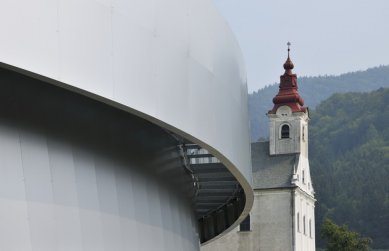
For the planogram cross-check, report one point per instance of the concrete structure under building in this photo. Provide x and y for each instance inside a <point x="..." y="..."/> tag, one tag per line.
<point x="123" y="126"/>
<point x="283" y="214"/>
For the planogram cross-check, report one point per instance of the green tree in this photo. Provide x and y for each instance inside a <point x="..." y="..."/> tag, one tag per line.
<point x="340" y="238"/>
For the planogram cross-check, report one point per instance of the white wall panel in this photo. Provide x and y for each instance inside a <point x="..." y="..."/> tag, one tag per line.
<point x="29" y="35"/>
<point x="141" y="12"/>
<point x="15" y="234"/>
<point x="12" y="178"/>
<point x="85" y="45"/>
<point x="134" y="64"/>
<point x="89" y="203"/>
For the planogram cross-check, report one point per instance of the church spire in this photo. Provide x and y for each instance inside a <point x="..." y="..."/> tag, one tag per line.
<point x="288" y="65"/>
<point x="288" y="90"/>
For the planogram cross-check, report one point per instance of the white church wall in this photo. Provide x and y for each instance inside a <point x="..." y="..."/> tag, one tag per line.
<point x="304" y="136"/>
<point x="304" y="180"/>
<point x="273" y="219"/>
<point x="270" y="214"/>
<point x="272" y="228"/>
<point x="304" y="221"/>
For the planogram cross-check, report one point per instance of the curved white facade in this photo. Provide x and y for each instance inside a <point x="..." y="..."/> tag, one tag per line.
<point x="79" y="175"/>
<point x="172" y="62"/>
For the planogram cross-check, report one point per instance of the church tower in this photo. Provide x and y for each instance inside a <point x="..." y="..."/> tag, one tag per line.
<point x="288" y="136"/>
<point x="288" y="120"/>
<point x="283" y="213"/>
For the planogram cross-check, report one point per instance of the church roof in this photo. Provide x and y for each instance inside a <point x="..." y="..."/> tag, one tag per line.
<point x="288" y="90"/>
<point x="271" y="171"/>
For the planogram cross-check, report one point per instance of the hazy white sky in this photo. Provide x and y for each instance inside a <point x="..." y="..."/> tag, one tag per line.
<point x="328" y="37"/>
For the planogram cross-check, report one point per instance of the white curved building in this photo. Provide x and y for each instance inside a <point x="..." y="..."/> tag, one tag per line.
<point x="123" y="125"/>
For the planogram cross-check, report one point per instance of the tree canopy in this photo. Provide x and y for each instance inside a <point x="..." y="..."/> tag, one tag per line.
<point x="340" y="238"/>
<point x="349" y="159"/>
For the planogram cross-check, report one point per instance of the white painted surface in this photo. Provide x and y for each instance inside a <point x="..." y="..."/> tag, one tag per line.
<point x="271" y="226"/>
<point x="305" y="206"/>
<point x="173" y="62"/>
<point x="302" y="176"/>
<point x="296" y="143"/>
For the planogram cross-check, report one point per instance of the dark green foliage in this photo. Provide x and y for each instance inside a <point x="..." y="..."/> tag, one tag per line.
<point x="314" y="90"/>
<point x="349" y="158"/>
<point x="340" y="238"/>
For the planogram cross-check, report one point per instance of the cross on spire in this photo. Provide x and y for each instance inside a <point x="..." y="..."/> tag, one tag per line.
<point x="288" y="44"/>
<point x="288" y="66"/>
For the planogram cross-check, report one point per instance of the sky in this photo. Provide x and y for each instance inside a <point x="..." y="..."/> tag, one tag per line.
<point x="328" y="37"/>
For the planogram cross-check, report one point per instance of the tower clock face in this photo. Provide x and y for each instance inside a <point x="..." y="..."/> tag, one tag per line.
<point x="284" y="111"/>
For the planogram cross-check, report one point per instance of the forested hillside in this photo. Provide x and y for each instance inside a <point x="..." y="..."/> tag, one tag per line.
<point x="349" y="158"/>
<point x="314" y="90"/>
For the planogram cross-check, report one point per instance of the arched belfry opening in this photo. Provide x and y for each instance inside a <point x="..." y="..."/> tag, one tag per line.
<point x="285" y="132"/>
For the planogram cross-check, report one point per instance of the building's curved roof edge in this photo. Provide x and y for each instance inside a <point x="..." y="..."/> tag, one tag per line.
<point x="249" y="194"/>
